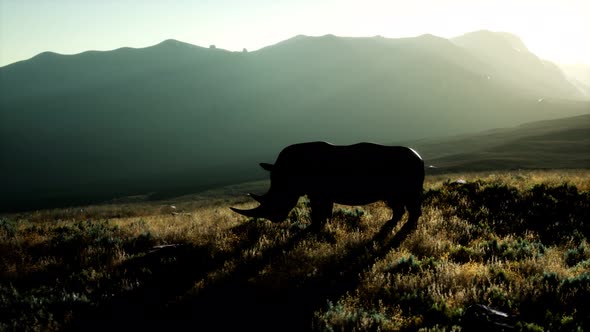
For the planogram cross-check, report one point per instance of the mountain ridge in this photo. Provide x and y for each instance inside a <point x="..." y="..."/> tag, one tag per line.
<point x="299" y="37"/>
<point x="509" y="41"/>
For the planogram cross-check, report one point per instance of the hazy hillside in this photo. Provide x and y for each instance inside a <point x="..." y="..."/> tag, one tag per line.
<point x="560" y="143"/>
<point x="510" y="61"/>
<point x="176" y="116"/>
<point x="579" y="76"/>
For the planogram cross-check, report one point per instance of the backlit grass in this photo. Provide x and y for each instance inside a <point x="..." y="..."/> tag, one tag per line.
<point x="516" y="242"/>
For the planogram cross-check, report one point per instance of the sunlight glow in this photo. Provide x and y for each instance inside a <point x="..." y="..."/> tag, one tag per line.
<point x="554" y="30"/>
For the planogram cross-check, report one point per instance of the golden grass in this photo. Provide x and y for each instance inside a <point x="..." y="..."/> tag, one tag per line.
<point x="442" y="267"/>
<point x="521" y="179"/>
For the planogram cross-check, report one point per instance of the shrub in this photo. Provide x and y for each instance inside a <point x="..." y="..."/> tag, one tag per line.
<point x="8" y="228"/>
<point x="350" y="219"/>
<point x="577" y="255"/>
<point x="86" y="243"/>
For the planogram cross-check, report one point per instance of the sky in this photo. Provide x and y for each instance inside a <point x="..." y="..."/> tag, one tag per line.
<point x="557" y="30"/>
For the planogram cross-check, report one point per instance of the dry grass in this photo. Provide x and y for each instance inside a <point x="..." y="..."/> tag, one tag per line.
<point x="520" y="179"/>
<point x="151" y="266"/>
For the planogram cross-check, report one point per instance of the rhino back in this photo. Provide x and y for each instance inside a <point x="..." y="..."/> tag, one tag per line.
<point x="365" y="170"/>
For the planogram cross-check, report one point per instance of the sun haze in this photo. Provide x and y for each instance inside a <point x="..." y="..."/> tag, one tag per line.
<point x="555" y="30"/>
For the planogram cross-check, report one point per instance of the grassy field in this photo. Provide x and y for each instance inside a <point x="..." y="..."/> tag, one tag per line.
<point x="515" y="241"/>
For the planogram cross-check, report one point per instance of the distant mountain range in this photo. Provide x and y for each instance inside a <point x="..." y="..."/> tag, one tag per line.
<point x="174" y="116"/>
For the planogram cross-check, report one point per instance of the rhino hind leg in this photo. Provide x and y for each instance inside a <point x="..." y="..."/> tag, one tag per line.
<point x="398" y="208"/>
<point x="414" y="207"/>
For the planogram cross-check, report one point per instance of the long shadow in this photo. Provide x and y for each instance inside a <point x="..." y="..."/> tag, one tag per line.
<point x="172" y="271"/>
<point x="238" y="300"/>
<point x="344" y="275"/>
<point x="241" y="302"/>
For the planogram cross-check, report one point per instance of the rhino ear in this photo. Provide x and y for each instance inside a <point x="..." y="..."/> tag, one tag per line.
<point x="267" y="167"/>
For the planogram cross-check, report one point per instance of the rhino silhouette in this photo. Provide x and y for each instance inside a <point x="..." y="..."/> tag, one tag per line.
<point x="355" y="174"/>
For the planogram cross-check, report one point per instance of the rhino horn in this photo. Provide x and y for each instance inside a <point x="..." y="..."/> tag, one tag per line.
<point x="267" y="167"/>
<point x="257" y="212"/>
<point x="259" y="198"/>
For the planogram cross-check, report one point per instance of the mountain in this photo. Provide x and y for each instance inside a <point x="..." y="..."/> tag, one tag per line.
<point x="579" y="76"/>
<point x="509" y="61"/>
<point x="178" y="117"/>
<point x="559" y="143"/>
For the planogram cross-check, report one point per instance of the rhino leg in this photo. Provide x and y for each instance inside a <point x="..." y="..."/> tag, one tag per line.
<point x="414" y="207"/>
<point x="321" y="211"/>
<point x="397" y="206"/>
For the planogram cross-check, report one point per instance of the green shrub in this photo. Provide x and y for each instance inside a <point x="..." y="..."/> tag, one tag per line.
<point x="577" y="255"/>
<point x="405" y="265"/>
<point x="8" y="228"/>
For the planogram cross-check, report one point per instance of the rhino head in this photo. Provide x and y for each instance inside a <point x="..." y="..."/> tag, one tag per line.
<point x="275" y="205"/>
<point x="275" y="209"/>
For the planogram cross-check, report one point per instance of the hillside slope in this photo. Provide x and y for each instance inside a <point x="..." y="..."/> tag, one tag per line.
<point x="560" y="143"/>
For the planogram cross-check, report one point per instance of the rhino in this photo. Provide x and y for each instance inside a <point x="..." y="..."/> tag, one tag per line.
<point x="355" y="174"/>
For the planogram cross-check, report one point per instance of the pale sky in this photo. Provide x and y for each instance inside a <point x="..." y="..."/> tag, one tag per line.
<point x="557" y="30"/>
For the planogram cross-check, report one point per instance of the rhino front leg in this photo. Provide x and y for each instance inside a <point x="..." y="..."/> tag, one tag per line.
<point x="398" y="209"/>
<point x="321" y="211"/>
